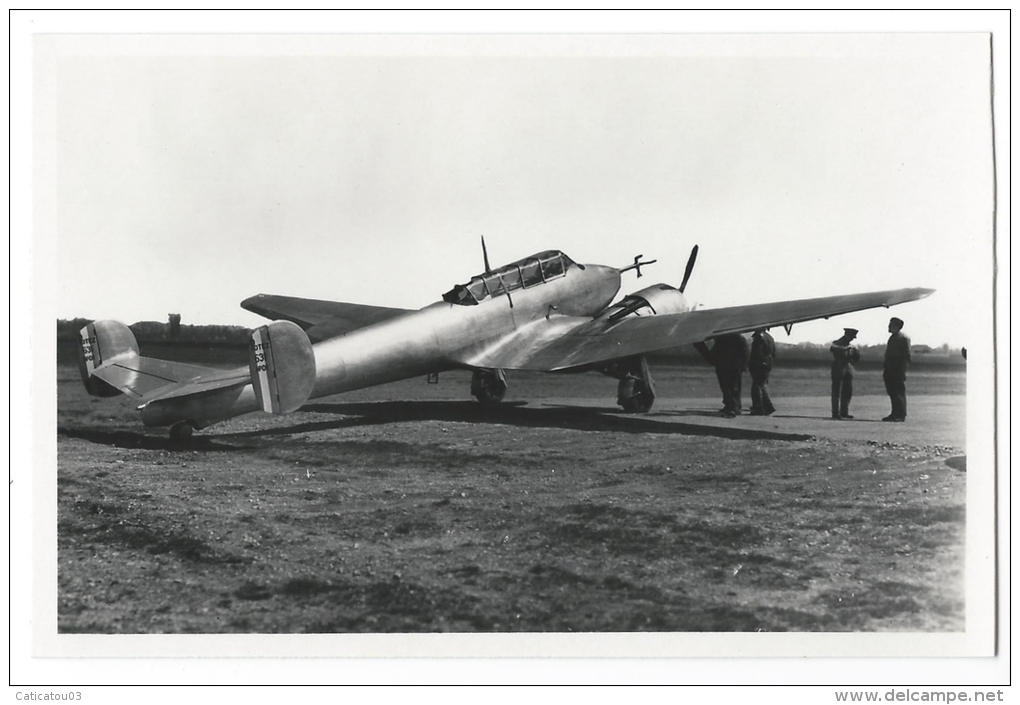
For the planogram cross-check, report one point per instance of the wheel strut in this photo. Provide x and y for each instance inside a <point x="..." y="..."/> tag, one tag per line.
<point x="636" y="391"/>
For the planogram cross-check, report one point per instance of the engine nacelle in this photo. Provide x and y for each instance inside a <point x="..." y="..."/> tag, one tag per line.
<point x="654" y="300"/>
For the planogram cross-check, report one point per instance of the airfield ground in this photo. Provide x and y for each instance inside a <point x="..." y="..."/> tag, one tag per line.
<point x="407" y="508"/>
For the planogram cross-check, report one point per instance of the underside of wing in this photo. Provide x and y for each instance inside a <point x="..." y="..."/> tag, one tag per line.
<point x="148" y="378"/>
<point x="320" y="319"/>
<point x="565" y="345"/>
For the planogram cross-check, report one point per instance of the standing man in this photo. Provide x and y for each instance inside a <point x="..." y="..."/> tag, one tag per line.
<point x="763" y="351"/>
<point x="173" y="326"/>
<point x="894" y="371"/>
<point x="729" y="356"/>
<point x="844" y="356"/>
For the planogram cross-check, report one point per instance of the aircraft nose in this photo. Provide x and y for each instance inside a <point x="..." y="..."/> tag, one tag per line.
<point x="605" y="281"/>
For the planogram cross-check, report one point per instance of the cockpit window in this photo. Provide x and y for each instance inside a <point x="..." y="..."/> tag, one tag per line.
<point x="477" y="288"/>
<point x="459" y="295"/>
<point x="552" y="267"/>
<point x="511" y="277"/>
<point x="493" y="284"/>
<point x="528" y="272"/>
<point x="531" y="272"/>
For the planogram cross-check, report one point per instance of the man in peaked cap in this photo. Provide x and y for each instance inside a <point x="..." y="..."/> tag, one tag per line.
<point x="894" y="370"/>
<point x="844" y="356"/>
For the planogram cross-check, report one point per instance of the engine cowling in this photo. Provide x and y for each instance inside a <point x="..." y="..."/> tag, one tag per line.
<point x="654" y="300"/>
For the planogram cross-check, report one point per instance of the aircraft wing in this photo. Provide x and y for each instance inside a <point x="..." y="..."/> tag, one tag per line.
<point x="559" y="344"/>
<point x="148" y="378"/>
<point x="320" y="319"/>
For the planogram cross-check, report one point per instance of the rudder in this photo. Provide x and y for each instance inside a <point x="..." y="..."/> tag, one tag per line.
<point x="100" y="342"/>
<point x="282" y="366"/>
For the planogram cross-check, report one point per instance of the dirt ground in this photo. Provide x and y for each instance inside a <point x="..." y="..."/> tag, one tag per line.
<point x="408" y="508"/>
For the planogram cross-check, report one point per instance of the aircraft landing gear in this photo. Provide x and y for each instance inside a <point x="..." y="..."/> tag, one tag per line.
<point x="636" y="391"/>
<point x="635" y="396"/>
<point x="488" y="386"/>
<point x="181" y="431"/>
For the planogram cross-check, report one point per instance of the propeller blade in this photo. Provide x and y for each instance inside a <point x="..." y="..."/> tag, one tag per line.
<point x="485" y="256"/>
<point x="690" y="268"/>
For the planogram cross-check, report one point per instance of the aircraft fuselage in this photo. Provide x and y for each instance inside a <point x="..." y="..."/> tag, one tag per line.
<point x="416" y="344"/>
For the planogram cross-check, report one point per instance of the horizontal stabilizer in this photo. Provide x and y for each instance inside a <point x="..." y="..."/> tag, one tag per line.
<point x="282" y="366"/>
<point x="110" y="364"/>
<point x="148" y="379"/>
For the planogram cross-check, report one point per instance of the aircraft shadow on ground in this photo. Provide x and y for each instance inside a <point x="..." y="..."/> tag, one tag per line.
<point x="140" y="441"/>
<point x="513" y="414"/>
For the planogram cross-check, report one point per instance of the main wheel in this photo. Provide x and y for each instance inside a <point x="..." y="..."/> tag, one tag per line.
<point x="635" y="396"/>
<point x="181" y="431"/>
<point x="488" y="387"/>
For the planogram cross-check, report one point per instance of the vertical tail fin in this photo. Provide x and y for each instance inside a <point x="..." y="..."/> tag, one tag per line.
<point x="282" y="366"/>
<point x="100" y="343"/>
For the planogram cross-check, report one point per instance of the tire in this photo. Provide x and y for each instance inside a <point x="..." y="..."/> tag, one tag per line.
<point x="488" y="387"/>
<point x="635" y="397"/>
<point x="181" y="431"/>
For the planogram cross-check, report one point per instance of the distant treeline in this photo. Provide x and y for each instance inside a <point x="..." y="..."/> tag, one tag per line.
<point x="229" y="345"/>
<point x="155" y="332"/>
<point x="811" y="354"/>
<point x="215" y="345"/>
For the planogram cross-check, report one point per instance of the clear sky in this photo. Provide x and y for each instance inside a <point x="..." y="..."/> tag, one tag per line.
<point x="191" y="173"/>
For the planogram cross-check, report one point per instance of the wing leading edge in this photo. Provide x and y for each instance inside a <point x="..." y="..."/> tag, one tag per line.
<point x="599" y="340"/>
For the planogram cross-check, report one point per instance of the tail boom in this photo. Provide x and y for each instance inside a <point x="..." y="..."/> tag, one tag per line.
<point x="278" y="380"/>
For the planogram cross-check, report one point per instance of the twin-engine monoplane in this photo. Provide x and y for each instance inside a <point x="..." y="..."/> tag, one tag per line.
<point x="545" y="312"/>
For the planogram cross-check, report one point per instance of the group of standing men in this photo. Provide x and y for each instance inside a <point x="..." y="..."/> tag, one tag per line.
<point x="732" y="356"/>
<point x="894" y="371"/>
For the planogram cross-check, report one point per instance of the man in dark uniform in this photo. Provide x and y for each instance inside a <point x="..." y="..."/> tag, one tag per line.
<point x="174" y="326"/>
<point x="844" y="356"/>
<point x="894" y="371"/>
<point x="763" y="351"/>
<point x="729" y="356"/>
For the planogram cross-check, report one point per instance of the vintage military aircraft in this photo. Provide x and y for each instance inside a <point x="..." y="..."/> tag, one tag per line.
<point x="544" y="312"/>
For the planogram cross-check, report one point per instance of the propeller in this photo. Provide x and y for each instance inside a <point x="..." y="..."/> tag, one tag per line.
<point x="485" y="256"/>
<point x="690" y="268"/>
